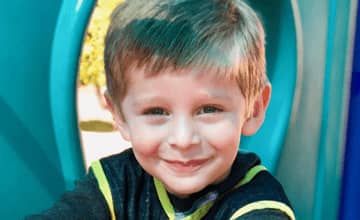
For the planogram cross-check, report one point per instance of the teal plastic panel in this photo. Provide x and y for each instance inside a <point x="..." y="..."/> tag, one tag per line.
<point x="40" y="150"/>
<point x="31" y="177"/>
<point x="310" y="164"/>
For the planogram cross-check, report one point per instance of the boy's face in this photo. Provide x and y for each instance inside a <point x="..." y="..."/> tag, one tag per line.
<point x="184" y="127"/>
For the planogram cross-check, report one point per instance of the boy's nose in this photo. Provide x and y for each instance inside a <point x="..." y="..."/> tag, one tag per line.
<point x="183" y="133"/>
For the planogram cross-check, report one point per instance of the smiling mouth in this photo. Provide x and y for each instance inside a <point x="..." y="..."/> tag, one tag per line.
<point x="185" y="166"/>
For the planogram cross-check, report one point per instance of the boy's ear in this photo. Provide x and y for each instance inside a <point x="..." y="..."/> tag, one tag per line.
<point x="109" y="104"/>
<point x="258" y="110"/>
<point x="120" y="122"/>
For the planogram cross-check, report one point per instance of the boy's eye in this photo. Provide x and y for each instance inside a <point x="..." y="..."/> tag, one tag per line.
<point x="209" y="109"/>
<point x="156" y="111"/>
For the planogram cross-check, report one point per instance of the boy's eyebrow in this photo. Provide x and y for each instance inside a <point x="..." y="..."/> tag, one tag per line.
<point x="146" y="99"/>
<point x="216" y="95"/>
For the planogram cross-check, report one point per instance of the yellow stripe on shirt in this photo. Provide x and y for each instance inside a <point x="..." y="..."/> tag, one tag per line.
<point x="264" y="204"/>
<point x="103" y="185"/>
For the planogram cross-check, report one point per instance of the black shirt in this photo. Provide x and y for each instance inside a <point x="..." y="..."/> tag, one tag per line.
<point x="135" y="196"/>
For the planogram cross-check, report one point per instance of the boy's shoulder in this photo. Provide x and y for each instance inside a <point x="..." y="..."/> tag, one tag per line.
<point x="255" y="175"/>
<point x="123" y="162"/>
<point x="256" y="188"/>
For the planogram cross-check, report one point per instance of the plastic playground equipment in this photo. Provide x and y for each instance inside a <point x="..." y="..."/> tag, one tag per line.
<point x="303" y="141"/>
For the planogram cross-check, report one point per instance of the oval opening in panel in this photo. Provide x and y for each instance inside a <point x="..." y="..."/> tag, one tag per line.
<point x="283" y="68"/>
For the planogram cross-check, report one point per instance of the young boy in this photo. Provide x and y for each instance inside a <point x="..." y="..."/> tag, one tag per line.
<point x="185" y="78"/>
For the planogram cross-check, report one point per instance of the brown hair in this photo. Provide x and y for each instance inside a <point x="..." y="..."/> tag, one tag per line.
<point x="224" y="36"/>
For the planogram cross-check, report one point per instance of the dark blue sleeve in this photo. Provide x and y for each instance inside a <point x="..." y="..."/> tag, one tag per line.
<point x="85" y="202"/>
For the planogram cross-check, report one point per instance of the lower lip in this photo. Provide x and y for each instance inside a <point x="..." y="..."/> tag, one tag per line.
<point x="188" y="167"/>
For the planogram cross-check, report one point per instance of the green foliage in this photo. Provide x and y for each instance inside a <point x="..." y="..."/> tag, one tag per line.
<point x="91" y="69"/>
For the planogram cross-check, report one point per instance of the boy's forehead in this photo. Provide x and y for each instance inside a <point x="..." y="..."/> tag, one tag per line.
<point x="206" y="83"/>
<point x="136" y="73"/>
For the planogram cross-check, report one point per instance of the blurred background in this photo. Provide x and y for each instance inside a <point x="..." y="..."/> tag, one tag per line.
<point x="53" y="120"/>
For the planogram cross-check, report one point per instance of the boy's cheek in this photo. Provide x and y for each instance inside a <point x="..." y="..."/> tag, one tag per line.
<point x="221" y="135"/>
<point x="224" y="131"/>
<point x="146" y="139"/>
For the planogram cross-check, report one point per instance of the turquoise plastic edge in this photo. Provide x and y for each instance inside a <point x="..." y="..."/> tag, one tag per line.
<point x="71" y="25"/>
<point x="268" y="141"/>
